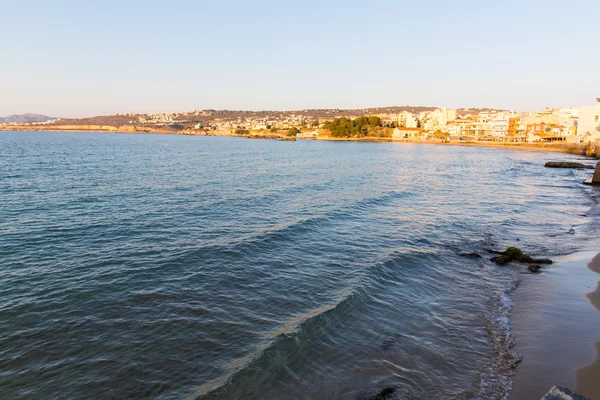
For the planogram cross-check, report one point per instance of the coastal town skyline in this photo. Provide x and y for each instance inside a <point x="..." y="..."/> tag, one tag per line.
<point x="569" y="124"/>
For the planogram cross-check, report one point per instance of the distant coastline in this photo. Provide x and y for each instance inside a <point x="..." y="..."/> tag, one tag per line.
<point x="558" y="147"/>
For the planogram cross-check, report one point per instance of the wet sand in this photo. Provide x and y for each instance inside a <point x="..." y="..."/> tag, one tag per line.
<point x="588" y="378"/>
<point x="557" y="328"/>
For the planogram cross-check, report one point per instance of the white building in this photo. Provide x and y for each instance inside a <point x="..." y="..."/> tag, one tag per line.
<point x="499" y="126"/>
<point x="407" y="119"/>
<point x="588" y="127"/>
<point x="567" y="117"/>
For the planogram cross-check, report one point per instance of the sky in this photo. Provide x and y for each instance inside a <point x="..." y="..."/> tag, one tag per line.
<point x="85" y="58"/>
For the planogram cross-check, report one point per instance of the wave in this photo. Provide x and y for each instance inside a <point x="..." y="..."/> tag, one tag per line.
<point x="256" y="369"/>
<point x="496" y="379"/>
<point x="285" y="233"/>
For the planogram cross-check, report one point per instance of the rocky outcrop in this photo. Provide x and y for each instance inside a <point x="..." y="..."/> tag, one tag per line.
<point x="567" y="164"/>
<point x="560" y="393"/>
<point x="515" y="254"/>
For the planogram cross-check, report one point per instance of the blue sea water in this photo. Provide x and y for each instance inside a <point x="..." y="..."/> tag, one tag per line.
<point x="167" y="267"/>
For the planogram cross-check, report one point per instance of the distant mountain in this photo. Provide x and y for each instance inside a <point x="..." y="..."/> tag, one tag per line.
<point x="24" y="118"/>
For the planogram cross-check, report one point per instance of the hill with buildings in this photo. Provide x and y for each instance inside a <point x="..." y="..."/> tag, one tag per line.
<point x="571" y="125"/>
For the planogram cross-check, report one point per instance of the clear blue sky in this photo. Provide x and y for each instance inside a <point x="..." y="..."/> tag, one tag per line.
<point x="82" y="58"/>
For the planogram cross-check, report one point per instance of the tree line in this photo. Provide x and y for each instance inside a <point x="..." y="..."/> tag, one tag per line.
<point x="358" y="127"/>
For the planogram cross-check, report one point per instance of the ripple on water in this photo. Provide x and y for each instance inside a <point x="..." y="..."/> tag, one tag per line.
<point x="163" y="267"/>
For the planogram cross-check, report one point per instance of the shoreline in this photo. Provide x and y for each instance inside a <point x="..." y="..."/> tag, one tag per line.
<point x="557" y="328"/>
<point x="587" y="377"/>
<point x="567" y="148"/>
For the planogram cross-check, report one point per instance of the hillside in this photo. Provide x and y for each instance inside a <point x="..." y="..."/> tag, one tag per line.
<point x="21" y="118"/>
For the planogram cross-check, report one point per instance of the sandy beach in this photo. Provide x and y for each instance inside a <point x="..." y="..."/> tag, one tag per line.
<point x="588" y="382"/>
<point x="557" y="147"/>
<point x="557" y="328"/>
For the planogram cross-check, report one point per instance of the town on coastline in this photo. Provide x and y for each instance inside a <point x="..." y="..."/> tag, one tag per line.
<point x="573" y="125"/>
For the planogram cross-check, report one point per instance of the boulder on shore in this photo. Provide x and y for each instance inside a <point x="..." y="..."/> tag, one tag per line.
<point x="567" y="164"/>
<point x="560" y="393"/>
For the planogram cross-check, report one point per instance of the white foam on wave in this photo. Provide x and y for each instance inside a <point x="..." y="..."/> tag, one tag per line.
<point x="496" y="381"/>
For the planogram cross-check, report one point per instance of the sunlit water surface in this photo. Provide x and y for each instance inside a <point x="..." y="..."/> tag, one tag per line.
<point x="156" y="266"/>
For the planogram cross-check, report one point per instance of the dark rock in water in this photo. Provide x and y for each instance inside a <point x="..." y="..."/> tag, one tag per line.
<point x="515" y="254"/>
<point x="384" y="394"/>
<point x="560" y="393"/>
<point x="542" y="261"/>
<point x="472" y="255"/>
<point x="534" y="269"/>
<point x="566" y="164"/>
<point x="501" y="260"/>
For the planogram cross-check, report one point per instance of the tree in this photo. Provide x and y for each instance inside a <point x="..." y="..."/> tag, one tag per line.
<point x="293" y="131"/>
<point x="242" y="132"/>
<point x="358" y="127"/>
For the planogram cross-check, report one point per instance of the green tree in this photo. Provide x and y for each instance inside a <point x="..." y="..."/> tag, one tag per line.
<point x="293" y="131"/>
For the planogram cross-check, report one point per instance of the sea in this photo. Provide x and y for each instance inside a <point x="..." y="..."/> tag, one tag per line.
<point x="179" y="267"/>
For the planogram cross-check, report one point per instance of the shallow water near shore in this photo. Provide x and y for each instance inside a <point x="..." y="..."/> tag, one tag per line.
<point x="154" y="266"/>
<point x="555" y="326"/>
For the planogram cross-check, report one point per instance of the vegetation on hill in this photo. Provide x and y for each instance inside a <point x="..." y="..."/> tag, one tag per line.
<point x="242" y="132"/>
<point x="293" y="131"/>
<point x="358" y="127"/>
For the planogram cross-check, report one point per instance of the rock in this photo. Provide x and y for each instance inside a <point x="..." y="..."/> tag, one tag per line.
<point x="515" y="254"/>
<point x="472" y="255"/>
<point x="534" y="269"/>
<point x="525" y="259"/>
<point x="542" y="261"/>
<point x="501" y="260"/>
<point x="560" y="393"/>
<point x="567" y="164"/>
<point x="384" y="394"/>
<point x="596" y="178"/>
